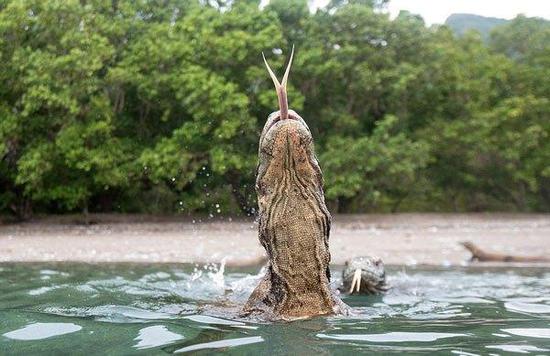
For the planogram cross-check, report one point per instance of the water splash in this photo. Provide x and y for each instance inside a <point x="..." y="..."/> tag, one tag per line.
<point x="169" y="308"/>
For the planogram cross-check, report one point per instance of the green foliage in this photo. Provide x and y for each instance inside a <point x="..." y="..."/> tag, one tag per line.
<point x="156" y="106"/>
<point x="373" y="172"/>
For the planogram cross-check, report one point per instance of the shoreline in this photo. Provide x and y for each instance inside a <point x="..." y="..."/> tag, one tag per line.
<point x="399" y="239"/>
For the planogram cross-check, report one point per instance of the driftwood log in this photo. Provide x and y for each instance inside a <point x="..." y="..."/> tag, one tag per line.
<point x="483" y="256"/>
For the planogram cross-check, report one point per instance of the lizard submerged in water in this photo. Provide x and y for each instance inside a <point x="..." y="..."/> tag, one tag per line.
<point x="364" y="275"/>
<point x="294" y="222"/>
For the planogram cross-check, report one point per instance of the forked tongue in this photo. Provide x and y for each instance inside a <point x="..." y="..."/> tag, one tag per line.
<point x="281" y="87"/>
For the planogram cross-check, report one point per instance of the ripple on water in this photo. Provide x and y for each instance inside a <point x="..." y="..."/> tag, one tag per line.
<point x="543" y="333"/>
<point x="520" y="349"/>
<point x="527" y="307"/>
<point x="51" y="272"/>
<point x="465" y="300"/>
<point x="154" y="336"/>
<point x="205" y="319"/>
<point x="42" y="290"/>
<point x="222" y="343"/>
<point x="112" y="313"/>
<point x="194" y="308"/>
<point x="392" y="337"/>
<point x="39" y="331"/>
<point x="463" y="353"/>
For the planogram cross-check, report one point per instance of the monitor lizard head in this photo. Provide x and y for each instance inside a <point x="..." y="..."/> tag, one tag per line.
<point x="286" y="144"/>
<point x="364" y="275"/>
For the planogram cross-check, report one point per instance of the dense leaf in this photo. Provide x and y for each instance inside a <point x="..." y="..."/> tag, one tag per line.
<point x="156" y="106"/>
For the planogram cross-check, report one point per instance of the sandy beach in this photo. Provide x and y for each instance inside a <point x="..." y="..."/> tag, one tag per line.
<point x="399" y="239"/>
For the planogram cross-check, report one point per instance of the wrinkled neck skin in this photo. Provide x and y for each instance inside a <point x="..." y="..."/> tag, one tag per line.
<point x="294" y="225"/>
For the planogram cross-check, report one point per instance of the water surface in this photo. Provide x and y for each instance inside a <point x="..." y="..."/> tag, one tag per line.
<point x="158" y="309"/>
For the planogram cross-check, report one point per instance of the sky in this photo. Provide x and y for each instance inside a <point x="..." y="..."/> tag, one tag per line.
<point x="437" y="11"/>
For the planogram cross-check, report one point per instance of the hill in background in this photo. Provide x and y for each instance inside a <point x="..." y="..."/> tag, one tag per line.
<point x="460" y="23"/>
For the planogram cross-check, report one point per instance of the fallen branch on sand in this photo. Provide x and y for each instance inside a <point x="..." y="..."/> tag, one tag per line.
<point x="482" y="256"/>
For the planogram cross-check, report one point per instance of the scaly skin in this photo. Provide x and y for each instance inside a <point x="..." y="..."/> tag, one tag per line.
<point x="294" y="225"/>
<point x="294" y="220"/>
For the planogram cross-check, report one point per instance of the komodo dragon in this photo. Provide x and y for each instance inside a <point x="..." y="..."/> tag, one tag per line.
<point x="482" y="256"/>
<point x="364" y="275"/>
<point x="294" y="222"/>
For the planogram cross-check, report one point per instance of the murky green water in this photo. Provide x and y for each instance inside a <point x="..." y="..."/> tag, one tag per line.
<point x="156" y="309"/>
